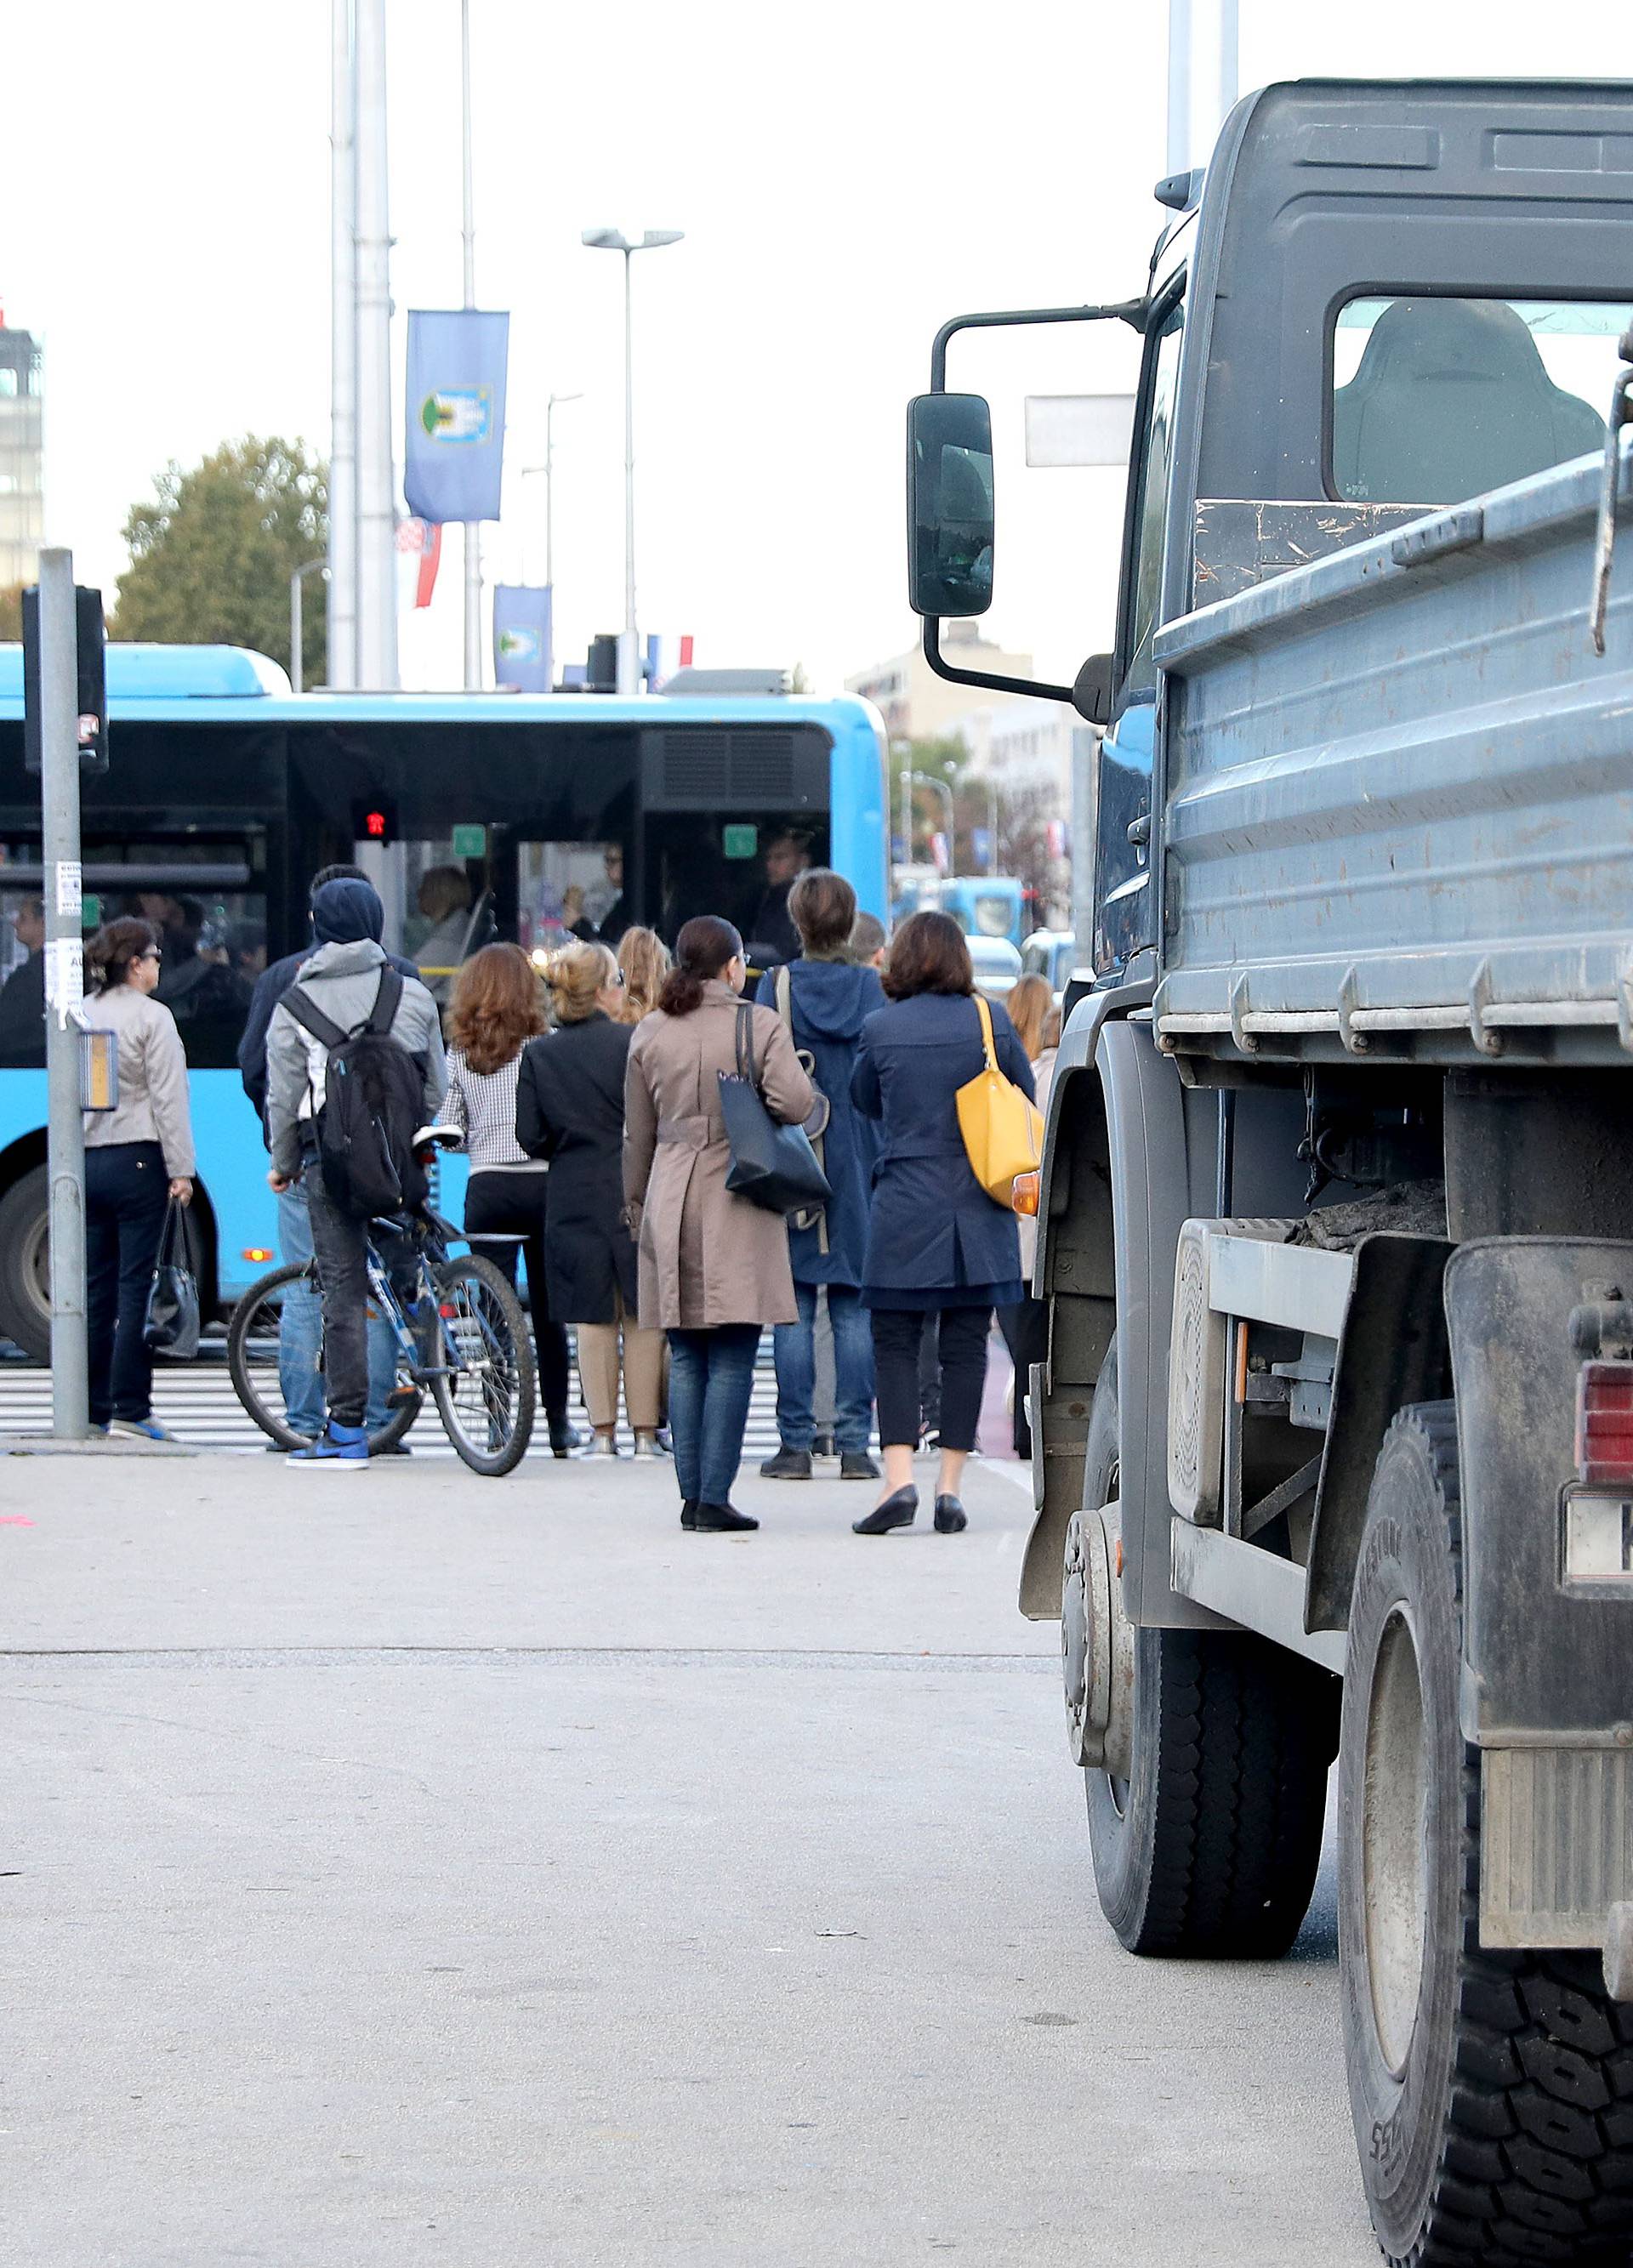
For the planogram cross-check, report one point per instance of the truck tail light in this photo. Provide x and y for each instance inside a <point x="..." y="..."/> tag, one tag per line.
<point x="1024" y="1196"/>
<point x="1605" y="1424"/>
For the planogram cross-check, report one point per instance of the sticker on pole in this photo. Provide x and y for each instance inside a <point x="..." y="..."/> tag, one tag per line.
<point x="70" y="894"/>
<point x="65" y="978"/>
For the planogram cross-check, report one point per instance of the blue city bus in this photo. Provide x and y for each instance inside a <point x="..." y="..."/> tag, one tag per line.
<point x="479" y="816"/>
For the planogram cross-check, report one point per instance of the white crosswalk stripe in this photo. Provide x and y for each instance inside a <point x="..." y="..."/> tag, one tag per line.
<point x="195" y="1401"/>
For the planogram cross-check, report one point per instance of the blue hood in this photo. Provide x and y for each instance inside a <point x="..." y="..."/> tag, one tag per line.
<point x="833" y="997"/>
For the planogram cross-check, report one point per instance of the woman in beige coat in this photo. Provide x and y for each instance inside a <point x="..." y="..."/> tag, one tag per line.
<point x="714" y="1268"/>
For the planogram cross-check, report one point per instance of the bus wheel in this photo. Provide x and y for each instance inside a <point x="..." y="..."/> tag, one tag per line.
<point x="1492" y="2093"/>
<point x="26" y="1264"/>
<point x="1210" y="1847"/>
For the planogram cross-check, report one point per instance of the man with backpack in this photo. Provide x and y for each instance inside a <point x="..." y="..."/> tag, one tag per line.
<point x="354" y="1064"/>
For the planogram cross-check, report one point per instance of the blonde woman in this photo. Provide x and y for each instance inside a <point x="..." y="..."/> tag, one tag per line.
<point x="570" y="1110"/>
<point x="644" y="960"/>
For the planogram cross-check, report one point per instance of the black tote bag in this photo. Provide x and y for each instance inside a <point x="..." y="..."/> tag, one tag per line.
<point x="171" y="1326"/>
<point x="772" y="1165"/>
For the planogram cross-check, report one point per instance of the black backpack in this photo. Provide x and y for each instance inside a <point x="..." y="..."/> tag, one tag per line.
<point x="372" y="1093"/>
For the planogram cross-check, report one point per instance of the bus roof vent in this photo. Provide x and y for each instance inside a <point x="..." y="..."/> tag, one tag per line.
<point x="762" y="766"/>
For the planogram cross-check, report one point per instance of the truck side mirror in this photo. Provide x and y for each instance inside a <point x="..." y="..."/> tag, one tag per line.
<point x="1091" y="690"/>
<point x="949" y="504"/>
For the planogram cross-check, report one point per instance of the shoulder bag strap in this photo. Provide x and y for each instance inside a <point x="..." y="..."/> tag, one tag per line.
<point x="745" y="1042"/>
<point x="386" y="1000"/>
<point x="783" y="983"/>
<point x="986" y="1015"/>
<point x="305" y="1010"/>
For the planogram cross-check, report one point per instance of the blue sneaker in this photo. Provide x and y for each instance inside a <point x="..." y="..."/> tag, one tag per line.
<point x="340" y="1444"/>
<point x="138" y="1429"/>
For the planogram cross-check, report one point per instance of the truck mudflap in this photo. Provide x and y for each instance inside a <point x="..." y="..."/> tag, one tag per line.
<point x="1546" y="1690"/>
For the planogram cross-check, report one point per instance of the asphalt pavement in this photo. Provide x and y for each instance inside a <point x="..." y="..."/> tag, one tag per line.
<point x="400" y="1867"/>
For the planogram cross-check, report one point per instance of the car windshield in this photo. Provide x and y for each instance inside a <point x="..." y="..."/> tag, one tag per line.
<point x="1439" y="398"/>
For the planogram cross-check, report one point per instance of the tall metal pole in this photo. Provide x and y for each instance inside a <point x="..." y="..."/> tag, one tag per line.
<point x="65" y="1146"/>
<point x="342" y="445"/>
<point x="297" y="648"/>
<point x="1178" y="86"/>
<point x="629" y="670"/>
<point x="468" y="236"/>
<point x="1201" y="33"/>
<point x="377" y="557"/>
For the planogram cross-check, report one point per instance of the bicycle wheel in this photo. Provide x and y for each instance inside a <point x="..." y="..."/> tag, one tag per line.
<point x="486" y="1402"/>
<point x="276" y="1319"/>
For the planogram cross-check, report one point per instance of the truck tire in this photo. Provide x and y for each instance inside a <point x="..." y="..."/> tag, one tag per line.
<point x="1211" y="1847"/>
<point x="24" y="1283"/>
<point x="1492" y="2093"/>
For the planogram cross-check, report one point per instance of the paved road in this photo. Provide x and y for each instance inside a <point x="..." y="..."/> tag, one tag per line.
<point x="398" y="1869"/>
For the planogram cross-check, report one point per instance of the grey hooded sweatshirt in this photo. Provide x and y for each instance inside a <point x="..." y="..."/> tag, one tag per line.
<point x="342" y="979"/>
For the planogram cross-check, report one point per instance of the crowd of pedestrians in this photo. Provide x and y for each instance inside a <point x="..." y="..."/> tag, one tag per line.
<point x="589" y="1097"/>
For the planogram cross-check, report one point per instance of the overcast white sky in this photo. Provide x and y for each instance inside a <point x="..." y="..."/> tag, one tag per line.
<point x="848" y="175"/>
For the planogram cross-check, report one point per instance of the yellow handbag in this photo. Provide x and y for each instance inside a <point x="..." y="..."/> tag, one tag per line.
<point x="1002" y="1132"/>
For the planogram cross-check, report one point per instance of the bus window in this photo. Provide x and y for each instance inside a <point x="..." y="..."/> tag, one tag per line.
<point x="570" y="890"/>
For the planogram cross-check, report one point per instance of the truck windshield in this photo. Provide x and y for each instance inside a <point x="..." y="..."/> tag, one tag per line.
<point x="1439" y="398"/>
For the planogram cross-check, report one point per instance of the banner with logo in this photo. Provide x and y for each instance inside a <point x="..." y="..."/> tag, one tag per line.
<point x="453" y="459"/>
<point x="521" y="655"/>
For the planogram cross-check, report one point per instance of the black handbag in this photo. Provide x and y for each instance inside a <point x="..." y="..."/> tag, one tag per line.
<point x="170" y="1325"/>
<point x="772" y="1165"/>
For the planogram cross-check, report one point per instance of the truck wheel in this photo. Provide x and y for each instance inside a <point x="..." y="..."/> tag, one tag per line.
<point x="1211" y="1846"/>
<point x="1492" y="2093"/>
<point x="25" y="1265"/>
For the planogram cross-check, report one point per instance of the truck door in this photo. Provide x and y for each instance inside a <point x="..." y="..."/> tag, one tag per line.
<point x="1124" y="918"/>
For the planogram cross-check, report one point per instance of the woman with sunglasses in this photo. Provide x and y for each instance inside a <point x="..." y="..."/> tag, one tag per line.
<point x="570" y="1110"/>
<point x="138" y="1156"/>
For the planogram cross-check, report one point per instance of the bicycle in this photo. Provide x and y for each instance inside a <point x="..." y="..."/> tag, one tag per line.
<point x="478" y="1364"/>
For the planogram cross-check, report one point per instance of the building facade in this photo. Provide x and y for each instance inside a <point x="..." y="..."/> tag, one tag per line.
<point x="22" y="458"/>
<point x="915" y="704"/>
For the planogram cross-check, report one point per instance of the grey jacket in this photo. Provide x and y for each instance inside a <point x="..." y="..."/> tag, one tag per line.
<point x="152" y="1078"/>
<point x="343" y="980"/>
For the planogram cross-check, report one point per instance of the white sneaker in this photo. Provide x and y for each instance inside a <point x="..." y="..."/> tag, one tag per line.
<point x="604" y="1444"/>
<point x="646" y="1446"/>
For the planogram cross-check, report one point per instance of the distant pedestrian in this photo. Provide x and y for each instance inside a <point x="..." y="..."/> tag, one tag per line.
<point x="570" y="1110"/>
<point x="937" y="1242"/>
<point x="345" y="981"/>
<point x="643" y="963"/>
<point x="1025" y="1326"/>
<point x="870" y="941"/>
<point x="498" y="1007"/>
<point x="138" y="1156"/>
<point x="714" y="1268"/>
<point x="828" y="997"/>
<point x="444" y="901"/>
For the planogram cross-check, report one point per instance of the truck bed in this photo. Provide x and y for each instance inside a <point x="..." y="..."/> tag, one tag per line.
<point x="1398" y="813"/>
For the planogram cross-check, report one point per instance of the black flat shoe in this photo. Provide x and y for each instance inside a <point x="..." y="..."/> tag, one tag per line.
<point x="950" y="1518"/>
<point x="721" y="1520"/>
<point x="787" y="1465"/>
<point x="688" y="1513"/>
<point x="898" y="1511"/>
<point x="565" y="1440"/>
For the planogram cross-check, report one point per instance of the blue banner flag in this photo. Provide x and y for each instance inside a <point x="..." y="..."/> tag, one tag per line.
<point x="521" y="655"/>
<point x="454" y="456"/>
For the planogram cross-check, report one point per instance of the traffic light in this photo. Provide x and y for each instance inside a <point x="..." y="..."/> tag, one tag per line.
<point x="90" y="697"/>
<point x="374" y="821"/>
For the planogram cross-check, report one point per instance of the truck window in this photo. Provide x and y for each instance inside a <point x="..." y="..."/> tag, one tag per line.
<point x="1439" y="398"/>
<point x="1145" y="579"/>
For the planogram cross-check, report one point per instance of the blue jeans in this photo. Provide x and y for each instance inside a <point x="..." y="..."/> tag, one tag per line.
<point x="711" y="1381"/>
<point x="301" y="1334"/>
<point x="852" y="1370"/>
<point x="127" y="1189"/>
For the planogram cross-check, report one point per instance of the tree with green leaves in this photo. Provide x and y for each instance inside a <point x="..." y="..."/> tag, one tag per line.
<point x="212" y="551"/>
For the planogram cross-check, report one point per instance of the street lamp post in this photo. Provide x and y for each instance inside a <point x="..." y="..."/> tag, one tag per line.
<point x="612" y="239"/>
<point x="297" y="626"/>
<point x="549" y="470"/>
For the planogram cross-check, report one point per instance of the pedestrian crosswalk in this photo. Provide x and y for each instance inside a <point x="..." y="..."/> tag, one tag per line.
<point x="195" y="1401"/>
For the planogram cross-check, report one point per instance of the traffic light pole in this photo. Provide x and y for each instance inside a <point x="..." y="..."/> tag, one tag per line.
<point x="65" y="1148"/>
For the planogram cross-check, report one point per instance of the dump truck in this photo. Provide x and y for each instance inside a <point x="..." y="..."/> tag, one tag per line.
<point x="1334" y="1433"/>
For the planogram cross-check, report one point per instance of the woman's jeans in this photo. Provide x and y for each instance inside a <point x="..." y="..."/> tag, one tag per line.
<point x="711" y="1382"/>
<point x="897" y="1335"/>
<point x="127" y="1189"/>
<point x="853" y="1366"/>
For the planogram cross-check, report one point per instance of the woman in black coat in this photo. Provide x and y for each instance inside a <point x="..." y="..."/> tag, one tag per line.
<point x="937" y="1242"/>
<point x="570" y="1110"/>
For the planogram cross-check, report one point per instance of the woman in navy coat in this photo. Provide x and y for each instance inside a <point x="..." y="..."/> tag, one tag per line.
<point x="936" y="1240"/>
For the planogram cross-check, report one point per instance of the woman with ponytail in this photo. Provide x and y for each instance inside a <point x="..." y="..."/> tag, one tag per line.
<point x="714" y="1268"/>
<point x="644" y="959"/>
<point x="138" y="1156"/>
<point x="570" y="1110"/>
